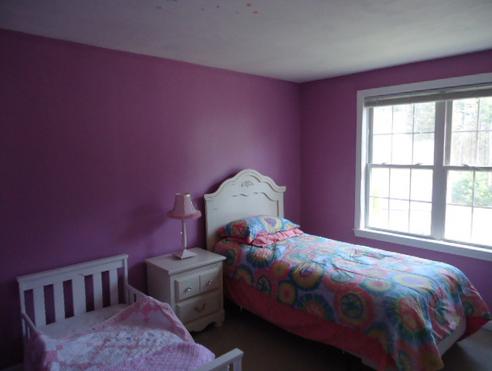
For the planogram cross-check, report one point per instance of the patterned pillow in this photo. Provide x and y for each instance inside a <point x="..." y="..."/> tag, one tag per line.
<point x="268" y="239"/>
<point x="248" y="229"/>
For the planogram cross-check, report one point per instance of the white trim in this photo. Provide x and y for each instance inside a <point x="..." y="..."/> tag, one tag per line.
<point x="482" y="78"/>
<point x="361" y="151"/>
<point x="439" y="183"/>
<point x="488" y="326"/>
<point x="362" y="147"/>
<point x="428" y="244"/>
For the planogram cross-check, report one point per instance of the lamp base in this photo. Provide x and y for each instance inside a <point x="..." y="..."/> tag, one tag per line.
<point x="184" y="254"/>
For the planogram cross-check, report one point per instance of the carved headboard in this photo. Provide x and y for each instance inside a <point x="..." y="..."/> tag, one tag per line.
<point x="248" y="193"/>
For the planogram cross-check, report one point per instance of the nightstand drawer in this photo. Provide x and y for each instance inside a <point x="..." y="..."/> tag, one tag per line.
<point x="210" y="280"/>
<point x="186" y="287"/>
<point x="199" y="307"/>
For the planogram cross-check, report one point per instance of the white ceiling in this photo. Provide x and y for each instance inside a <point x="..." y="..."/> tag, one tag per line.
<point x="296" y="40"/>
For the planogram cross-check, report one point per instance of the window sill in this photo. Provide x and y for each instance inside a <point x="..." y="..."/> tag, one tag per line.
<point x="423" y="243"/>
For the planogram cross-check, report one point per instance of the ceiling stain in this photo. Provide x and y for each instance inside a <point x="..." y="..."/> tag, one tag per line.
<point x="217" y="5"/>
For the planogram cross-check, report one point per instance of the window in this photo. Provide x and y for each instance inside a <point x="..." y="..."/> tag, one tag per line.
<point x="400" y="167"/>
<point x="425" y="164"/>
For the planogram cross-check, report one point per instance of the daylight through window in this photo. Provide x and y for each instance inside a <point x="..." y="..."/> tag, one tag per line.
<point x="429" y="167"/>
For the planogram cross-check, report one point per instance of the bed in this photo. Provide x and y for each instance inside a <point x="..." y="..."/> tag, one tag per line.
<point x="88" y="316"/>
<point x="391" y="310"/>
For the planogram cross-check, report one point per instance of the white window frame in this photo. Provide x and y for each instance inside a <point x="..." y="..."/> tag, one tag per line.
<point x="361" y="175"/>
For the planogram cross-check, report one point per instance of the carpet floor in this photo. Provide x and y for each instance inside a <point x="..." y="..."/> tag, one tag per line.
<point x="269" y="348"/>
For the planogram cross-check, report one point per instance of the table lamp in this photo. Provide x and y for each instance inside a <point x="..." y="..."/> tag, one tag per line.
<point x="183" y="210"/>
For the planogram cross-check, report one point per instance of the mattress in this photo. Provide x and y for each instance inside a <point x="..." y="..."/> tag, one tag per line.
<point x="82" y="322"/>
<point x="393" y="309"/>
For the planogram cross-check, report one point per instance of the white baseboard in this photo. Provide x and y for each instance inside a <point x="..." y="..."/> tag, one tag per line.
<point x="488" y="326"/>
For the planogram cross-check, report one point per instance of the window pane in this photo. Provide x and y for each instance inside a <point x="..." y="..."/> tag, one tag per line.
<point x="381" y="149"/>
<point x="423" y="149"/>
<point x="483" y="190"/>
<point x="471" y="138"/>
<point x="403" y="118"/>
<point x="420" y="218"/>
<point x="400" y="183"/>
<point x="482" y="232"/>
<point x="403" y="134"/>
<point x="485" y="117"/>
<point x="485" y="148"/>
<point x="402" y="149"/>
<point x="460" y="187"/>
<point x="465" y="114"/>
<point x="463" y="148"/>
<point x="379" y="182"/>
<point x="424" y="119"/>
<point x="421" y="185"/>
<point x="398" y="215"/>
<point x="382" y="118"/>
<point x="400" y="198"/>
<point x="458" y="222"/>
<point x="378" y="212"/>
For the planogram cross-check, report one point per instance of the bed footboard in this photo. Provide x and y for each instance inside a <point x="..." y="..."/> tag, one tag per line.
<point x="75" y="275"/>
<point x="133" y="294"/>
<point x="230" y="361"/>
<point x="28" y="327"/>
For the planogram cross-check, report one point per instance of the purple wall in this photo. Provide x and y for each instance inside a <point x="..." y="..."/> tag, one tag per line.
<point x="328" y="143"/>
<point x="94" y="144"/>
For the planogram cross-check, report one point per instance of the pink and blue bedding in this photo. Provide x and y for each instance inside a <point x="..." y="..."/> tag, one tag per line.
<point x="387" y="307"/>
<point x="146" y="335"/>
<point x="260" y="230"/>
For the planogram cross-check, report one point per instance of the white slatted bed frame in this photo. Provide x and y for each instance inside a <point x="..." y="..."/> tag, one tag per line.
<point x="250" y="193"/>
<point x="35" y="284"/>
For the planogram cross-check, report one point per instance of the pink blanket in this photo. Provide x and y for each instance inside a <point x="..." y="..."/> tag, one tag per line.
<point x="147" y="335"/>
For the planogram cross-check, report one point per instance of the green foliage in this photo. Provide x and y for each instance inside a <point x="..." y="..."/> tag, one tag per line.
<point x="483" y="189"/>
<point x="463" y="190"/>
<point x="485" y="113"/>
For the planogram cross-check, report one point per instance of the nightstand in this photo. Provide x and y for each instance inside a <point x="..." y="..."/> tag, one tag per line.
<point x="192" y="287"/>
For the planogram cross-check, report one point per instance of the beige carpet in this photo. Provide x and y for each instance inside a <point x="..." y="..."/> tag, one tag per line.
<point x="268" y="348"/>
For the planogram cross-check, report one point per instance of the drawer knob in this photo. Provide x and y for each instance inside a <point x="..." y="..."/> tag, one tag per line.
<point x="200" y="308"/>
<point x="209" y="282"/>
<point x="187" y="290"/>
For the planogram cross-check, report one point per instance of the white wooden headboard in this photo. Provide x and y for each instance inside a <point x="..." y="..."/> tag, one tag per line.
<point x="248" y="193"/>
<point x="76" y="275"/>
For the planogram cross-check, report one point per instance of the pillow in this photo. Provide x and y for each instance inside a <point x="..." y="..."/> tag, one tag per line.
<point x="248" y="229"/>
<point x="267" y="239"/>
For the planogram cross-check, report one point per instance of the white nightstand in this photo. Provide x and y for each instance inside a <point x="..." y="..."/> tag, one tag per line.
<point x="193" y="286"/>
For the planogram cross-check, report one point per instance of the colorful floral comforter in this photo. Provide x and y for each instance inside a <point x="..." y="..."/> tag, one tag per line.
<point x="146" y="335"/>
<point x="406" y="303"/>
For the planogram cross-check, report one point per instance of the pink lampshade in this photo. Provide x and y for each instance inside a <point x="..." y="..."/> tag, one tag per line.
<point x="184" y="208"/>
